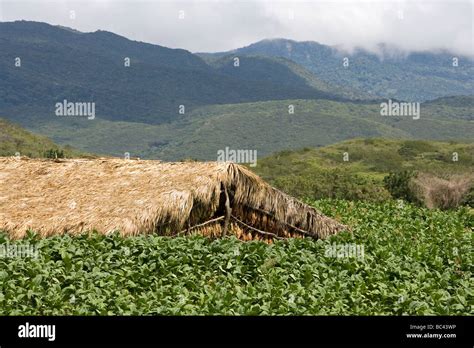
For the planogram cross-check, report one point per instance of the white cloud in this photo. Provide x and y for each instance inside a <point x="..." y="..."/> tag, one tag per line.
<point x="213" y="25"/>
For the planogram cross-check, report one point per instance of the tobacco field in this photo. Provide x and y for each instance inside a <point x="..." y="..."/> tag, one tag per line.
<point x="415" y="261"/>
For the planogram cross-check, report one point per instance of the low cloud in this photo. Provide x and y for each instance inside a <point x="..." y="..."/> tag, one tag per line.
<point x="223" y="25"/>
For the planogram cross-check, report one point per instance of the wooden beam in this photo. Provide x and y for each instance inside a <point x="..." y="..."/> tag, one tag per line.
<point x="256" y="229"/>
<point x="282" y="222"/>
<point x="200" y="225"/>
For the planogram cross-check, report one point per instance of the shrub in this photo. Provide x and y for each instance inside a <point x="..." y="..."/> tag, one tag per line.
<point x="333" y="183"/>
<point x="398" y="184"/>
<point x="54" y="153"/>
<point x="468" y="198"/>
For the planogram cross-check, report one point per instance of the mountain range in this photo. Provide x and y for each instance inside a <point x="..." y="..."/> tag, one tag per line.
<point x="172" y="104"/>
<point x="58" y="64"/>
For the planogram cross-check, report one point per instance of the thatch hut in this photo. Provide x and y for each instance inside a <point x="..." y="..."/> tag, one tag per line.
<point x="136" y="196"/>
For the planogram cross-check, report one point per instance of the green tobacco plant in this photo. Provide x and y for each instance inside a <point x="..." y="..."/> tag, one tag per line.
<point x="415" y="261"/>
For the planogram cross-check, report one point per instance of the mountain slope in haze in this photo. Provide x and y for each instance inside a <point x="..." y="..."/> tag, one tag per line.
<point x="14" y="139"/>
<point x="59" y="64"/>
<point x="416" y="76"/>
<point x="280" y="71"/>
<point x="263" y="126"/>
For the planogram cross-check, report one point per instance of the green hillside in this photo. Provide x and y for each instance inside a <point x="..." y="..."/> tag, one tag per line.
<point x="14" y="139"/>
<point x="323" y="172"/>
<point x="263" y="126"/>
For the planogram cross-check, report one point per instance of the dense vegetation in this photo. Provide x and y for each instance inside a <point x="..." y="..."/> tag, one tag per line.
<point x="263" y="126"/>
<point x="415" y="261"/>
<point x="281" y="71"/>
<point x="323" y="172"/>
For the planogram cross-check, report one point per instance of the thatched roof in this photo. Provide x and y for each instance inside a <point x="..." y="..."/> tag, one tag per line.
<point x="136" y="196"/>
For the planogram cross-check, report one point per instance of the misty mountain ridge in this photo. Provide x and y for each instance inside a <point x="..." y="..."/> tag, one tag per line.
<point x="389" y="72"/>
<point x="382" y="50"/>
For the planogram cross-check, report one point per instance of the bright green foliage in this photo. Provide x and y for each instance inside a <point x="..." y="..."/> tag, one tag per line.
<point x="416" y="261"/>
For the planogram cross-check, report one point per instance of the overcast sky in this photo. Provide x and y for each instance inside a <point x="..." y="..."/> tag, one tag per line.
<point x="219" y="25"/>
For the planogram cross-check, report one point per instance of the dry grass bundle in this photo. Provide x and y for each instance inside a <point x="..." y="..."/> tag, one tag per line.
<point x="442" y="193"/>
<point x="137" y="196"/>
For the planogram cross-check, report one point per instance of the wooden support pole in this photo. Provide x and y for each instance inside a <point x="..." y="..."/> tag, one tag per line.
<point x="228" y="212"/>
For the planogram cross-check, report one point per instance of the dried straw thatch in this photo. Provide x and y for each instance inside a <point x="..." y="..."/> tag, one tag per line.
<point x="135" y="196"/>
